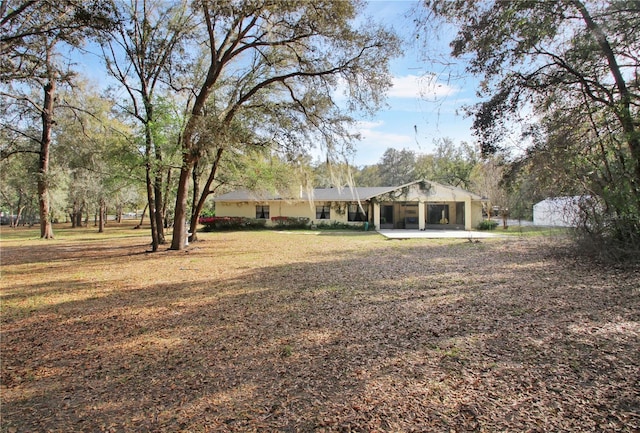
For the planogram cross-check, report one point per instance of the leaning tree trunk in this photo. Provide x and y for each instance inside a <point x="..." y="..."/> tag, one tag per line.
<point x="197" y="209"/>
<point x="46" y="229"/>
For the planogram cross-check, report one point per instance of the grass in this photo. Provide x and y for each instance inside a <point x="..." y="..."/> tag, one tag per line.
<point x="292" y="331"/>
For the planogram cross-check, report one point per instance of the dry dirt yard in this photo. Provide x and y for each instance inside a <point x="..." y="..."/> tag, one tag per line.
<point x="299" y="332"/>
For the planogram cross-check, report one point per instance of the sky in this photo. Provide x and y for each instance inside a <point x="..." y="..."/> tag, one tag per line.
<point x="425" y="103"/>
<point x="427" y="98"/>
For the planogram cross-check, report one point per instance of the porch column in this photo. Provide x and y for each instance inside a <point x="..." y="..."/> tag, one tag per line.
<point x="376" y="216"/>
<point x="467" y="214"/>
<point x="421" y="215"/>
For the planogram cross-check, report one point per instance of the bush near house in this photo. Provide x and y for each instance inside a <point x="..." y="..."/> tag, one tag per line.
<point x="281" y="222"/>
<point x="212" y="223"/>
<point x="336" y="225"/>
<point x="487" y="225"/>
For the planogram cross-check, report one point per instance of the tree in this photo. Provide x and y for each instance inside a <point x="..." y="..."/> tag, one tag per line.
<point x="18" y="189"/>
<point x="141" y="54"/>
<point x="32" y="33"/>
<point x="573" y="64"/>
<point x="94" y="151"/>
<point x="281" y="52"/>
<point x="369" y="175"/>
<point x="397" y="167"/>
<point x="450" y="164"/>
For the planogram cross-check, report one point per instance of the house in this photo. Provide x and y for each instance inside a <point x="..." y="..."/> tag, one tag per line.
<point x="558" y="211"/>
<point x="416" y="205"/>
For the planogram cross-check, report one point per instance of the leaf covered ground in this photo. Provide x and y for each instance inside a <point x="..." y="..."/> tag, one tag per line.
<point x="300" y="332"/>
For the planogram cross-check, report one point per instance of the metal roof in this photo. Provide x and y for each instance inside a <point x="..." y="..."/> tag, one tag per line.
<point x="323" y="194"/>
<point x="328" y="194"/>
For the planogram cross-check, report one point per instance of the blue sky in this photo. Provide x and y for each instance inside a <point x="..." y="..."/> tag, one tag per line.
<point x="424" y="104"/>
<point x="426" y="100"/>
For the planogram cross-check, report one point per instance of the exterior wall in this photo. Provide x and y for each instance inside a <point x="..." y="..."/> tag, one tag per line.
<point x="476" y="214"/>
<point x="409" y="205"/>
<point x="236" y="209"/>
<point x="557" y="212"/>
<point x="284" y="208"/>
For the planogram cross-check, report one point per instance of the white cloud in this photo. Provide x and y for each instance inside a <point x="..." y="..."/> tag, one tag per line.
<point x="420" y="86"/>
<point x="375" y="141"/>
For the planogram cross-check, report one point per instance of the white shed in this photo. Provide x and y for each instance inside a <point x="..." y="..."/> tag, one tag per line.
<point x="557" y="212"/>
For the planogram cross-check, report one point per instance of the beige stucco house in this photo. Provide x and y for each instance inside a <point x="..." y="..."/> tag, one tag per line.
<point x="416" y="205"/>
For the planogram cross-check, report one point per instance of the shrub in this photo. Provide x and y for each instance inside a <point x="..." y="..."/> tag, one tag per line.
<point x="284" y="222"/>
<point x="487" y="225"/>
<point x="226" y="223"/>
<point x="336" y="225"/>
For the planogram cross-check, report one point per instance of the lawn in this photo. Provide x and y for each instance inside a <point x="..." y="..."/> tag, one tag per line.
<point x="306" y="332"/>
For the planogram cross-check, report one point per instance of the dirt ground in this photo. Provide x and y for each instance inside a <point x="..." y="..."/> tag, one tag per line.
<point x="302" y="332"/>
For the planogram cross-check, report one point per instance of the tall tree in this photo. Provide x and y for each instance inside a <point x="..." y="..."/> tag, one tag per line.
<point x="94" y="151"/>
<point x="141" y="53"/>
<point x="33" y="32"/>
<point x="449" y="164"/>
<point x="397" y="167"/>
<point x="574" y="64"/>
<point x="280" y="51"/>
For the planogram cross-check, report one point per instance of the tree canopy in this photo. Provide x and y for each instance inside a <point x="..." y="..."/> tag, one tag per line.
<point x="567" y="72"/>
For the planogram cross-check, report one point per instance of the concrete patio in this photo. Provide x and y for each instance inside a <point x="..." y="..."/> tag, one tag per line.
<point x="438" y="234"/>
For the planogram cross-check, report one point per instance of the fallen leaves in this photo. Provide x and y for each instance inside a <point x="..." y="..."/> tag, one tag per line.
<point x="270" y="332"/>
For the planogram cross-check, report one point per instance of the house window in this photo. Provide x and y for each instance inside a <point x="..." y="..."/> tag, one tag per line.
<point x="356" y="214"/>
<point x="262" y="212"/>
<point x="323" y="212"/>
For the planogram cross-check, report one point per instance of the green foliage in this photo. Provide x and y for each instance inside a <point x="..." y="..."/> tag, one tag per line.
<point x="574" y="64"/>
<point x="337" y="225"/>
<point x="284" y="222"/>
<point x="231" y="223"/>
<point x="397" y="167"/>
<point x="487" y="225"/>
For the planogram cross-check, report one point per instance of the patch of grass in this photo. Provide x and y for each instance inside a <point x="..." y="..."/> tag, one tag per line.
<point x="532" y="231"/>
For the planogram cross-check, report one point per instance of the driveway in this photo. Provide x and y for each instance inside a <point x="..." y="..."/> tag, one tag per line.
<point x="438" y="234"/>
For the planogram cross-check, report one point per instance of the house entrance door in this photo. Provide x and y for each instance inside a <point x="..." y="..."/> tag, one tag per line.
<point x="386" y="216"/>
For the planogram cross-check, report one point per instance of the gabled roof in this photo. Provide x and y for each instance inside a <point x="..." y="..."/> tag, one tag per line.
<point x="330" y="194"/>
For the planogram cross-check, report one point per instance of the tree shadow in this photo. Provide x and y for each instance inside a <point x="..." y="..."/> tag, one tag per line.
<point x="400" y="337"/>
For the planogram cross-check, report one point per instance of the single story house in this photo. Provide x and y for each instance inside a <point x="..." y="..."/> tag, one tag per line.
<point x="558" y="211"/>
<point x="416" y="205"/>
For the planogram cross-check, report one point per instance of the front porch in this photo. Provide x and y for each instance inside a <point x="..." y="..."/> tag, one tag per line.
<point x="422" y="215"/>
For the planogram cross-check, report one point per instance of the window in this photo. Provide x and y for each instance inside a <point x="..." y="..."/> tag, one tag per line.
<point x="356" y="214"/>
<point x="262" y="212"/>
<point x="323" y="212"/>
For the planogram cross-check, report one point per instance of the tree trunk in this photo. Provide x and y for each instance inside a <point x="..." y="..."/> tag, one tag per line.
<point x="203" y="196"/>
<point x="179" y="223"/>
<point x="101" y="216"/>
<point x="158" y="214"/>
<point x="19" y="215"/>
<point x="46" y="229"/>
<point x="157" y="189"/>
<point x="194" y="199"/>
<point x="150" y="196"/>
<point x="623" y="106"/>
<point x="144" y="211"/>
<point x="165" y="198"/>
<point x="78" y="216"/>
